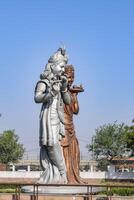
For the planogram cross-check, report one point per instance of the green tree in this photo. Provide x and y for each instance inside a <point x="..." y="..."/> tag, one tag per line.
<point x="108" y="143"/>
<point x="10" y="148"/>
<point x="130" y="138"/>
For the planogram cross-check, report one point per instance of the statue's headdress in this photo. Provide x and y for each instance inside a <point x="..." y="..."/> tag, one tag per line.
<point x="58" y="57"/>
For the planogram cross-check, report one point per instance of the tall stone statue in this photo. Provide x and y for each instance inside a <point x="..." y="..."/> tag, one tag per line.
<point x="52" y="92"/>
<point x="70" y="143"/>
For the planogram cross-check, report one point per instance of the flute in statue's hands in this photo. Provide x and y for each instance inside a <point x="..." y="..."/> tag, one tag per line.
<point x="64" y="83"/>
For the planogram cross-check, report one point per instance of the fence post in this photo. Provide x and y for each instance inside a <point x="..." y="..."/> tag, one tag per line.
<point x="86" y="197"/>
<point x="91" y="191"/>
<point x="33" y="197"/>
<point x="15" y="197"/>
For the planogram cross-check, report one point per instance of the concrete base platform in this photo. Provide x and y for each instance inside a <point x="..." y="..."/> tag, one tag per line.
<point x="60" y="189"/>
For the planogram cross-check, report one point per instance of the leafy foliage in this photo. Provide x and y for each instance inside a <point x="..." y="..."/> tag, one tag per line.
<point x="10" y="148"/>
<point x="109" y="142"/>
<point x="130" y="138"/>
<point x="102" y="164"/>
<point x="119" y="191"/>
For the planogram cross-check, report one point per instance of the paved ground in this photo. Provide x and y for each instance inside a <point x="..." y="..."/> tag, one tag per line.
<point x="26" y="197"/>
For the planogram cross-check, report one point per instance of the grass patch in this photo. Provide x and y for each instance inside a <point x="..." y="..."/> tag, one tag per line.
<point x="7" y="188"/>
<point x="117" y="182"/>
<point x="119" y="192"/>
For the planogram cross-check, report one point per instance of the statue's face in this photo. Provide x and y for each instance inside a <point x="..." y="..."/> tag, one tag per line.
<point x="70" y="76"/>
<point x="58" y="69"/>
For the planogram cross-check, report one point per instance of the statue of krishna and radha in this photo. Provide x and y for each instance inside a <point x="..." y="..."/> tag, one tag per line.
<point x="59" y="147"/>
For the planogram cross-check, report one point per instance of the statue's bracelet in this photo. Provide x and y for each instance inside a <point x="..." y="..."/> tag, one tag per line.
<point x="64" y="90"/>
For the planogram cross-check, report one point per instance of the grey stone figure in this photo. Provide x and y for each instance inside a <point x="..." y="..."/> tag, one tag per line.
<point x="51" y="90"/>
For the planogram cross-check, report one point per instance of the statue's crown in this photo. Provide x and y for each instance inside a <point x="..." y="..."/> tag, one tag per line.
<point x="59" y="56"/>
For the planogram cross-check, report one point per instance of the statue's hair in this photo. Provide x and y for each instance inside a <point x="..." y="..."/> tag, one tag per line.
<point x="47" y="72"/>
<point x="69" y="68"/>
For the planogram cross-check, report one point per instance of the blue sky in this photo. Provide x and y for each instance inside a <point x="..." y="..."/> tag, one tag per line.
<point x="99" y="38"/>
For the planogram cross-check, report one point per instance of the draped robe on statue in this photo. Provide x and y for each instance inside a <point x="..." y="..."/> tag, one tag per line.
<point x="70" y="143"/>
<point x="51" y="132"/>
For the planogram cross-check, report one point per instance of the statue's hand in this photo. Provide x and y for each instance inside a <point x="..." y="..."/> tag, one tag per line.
<point x="64" y="83"/>
<point x="55" y="88"/>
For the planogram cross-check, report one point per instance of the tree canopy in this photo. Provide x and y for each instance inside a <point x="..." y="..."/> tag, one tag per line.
<point x="130" y="138"/>
<point x="10" y="148"/>
<point x="108" y="143"/>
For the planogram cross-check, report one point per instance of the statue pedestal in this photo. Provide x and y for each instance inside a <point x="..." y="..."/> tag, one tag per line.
<point x="60" y="189"/>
